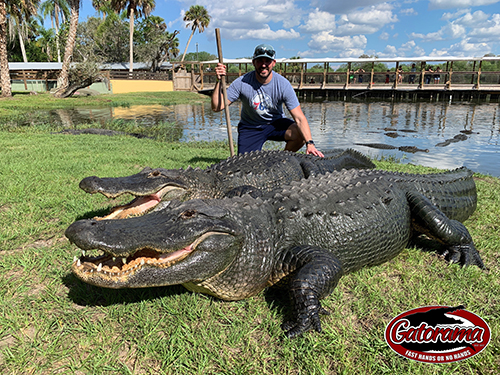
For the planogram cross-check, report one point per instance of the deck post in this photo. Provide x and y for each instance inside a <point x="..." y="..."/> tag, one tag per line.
<point x="473" y="70"/>
<point x="422" y="73"/>
<point x="301" y="84"/>
<point x="396" y="76"/>
<point x="370" y="85"/>
<point x="325" y="74"/>
<point x="450" y="72"/>
<point x="348" y="74"/>
<point x="479" y="74"/>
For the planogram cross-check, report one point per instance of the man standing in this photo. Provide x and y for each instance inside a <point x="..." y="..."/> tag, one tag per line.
<point x="263" y="93"/>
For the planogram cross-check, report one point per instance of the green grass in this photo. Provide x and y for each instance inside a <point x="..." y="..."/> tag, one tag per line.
<point x="50" y="322"/>
<point x="19" y="104"/>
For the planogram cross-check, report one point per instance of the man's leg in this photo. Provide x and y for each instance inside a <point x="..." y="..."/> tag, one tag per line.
<point x="250" y="139"/>
<point x="287" y="130"/>
<point x="293" y="138"/>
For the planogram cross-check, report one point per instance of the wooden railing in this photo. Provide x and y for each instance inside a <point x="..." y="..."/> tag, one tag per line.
<point x="140" y="75"/>
<point x="301" y="77"/>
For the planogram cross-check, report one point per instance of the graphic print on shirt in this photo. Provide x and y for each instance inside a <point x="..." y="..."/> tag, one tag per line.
<point x="262" y="103"/>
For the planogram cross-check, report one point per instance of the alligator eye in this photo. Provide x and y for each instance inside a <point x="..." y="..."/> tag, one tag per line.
<point x="188" y="214"/>
<point x="154" y="174"/>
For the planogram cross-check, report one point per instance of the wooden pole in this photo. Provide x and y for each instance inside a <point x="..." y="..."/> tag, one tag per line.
<point x="224" y="94"/>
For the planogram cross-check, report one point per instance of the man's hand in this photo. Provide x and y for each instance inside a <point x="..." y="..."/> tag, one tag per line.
<point x="311" y="149"/>
<point x="220" y="70"/>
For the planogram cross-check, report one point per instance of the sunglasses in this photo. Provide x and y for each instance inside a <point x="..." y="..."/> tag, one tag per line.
<point x="264" y="51"/>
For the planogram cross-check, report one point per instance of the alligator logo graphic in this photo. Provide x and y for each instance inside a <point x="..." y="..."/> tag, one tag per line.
<point x="437" y="334"/>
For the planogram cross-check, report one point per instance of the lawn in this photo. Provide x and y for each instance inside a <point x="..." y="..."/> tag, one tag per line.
<point x="51" y="322"/>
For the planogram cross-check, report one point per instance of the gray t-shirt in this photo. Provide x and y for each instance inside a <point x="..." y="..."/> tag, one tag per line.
<point x="262" y="104"/>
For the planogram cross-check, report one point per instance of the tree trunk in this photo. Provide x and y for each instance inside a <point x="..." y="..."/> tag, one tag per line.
<point x="131" y="23"/>
<point x="56" y="18"/>
<point x="4" y="62"/>
<point x="63" y="80"/>
<point x="187" y="45"/>
<point x="21" y="44"/>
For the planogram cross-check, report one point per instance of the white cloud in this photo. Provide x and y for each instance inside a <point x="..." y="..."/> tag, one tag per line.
<point x="346" y="46"/>
<point x="465" y="48"/>
<point x="338" y="7"/>
<point x="489" y="32"/>
<point x="383" y="36"/>
<point x="408" y="12"/>
<point x="472" y="19"/>
<point x="262" y="19"/>
<point x="450" y="4"/>
<point x="448" y="32"/>
<point x="267" y="34"/>
<point x="458" y="13"/>
<point x="409" y="49"/>
<point x="319" y="21"/>
<point x="365" y="21"/>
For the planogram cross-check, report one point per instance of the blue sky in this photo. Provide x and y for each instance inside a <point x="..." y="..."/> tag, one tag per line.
<point x="340" y="29"/>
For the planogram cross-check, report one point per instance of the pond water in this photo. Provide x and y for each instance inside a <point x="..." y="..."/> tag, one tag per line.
<point x="453" y="134"/>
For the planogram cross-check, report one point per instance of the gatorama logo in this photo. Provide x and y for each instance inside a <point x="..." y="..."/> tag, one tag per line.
<point x="437" y="334"/>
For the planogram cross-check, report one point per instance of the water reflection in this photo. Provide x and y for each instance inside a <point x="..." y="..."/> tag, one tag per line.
<point x="340" y="125"/>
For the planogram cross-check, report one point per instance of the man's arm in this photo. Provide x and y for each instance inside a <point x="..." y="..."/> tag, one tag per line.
<point x="303" y="125"/>
<point x="217" y="99"/>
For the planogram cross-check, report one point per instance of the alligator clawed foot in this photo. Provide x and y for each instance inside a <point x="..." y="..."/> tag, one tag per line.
<point x="304" y="323"/>
<point x="465" y="255"/>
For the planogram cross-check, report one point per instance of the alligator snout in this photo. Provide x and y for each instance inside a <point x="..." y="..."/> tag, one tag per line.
<point x="81" y="233"/>
<point x="91" y="184"/>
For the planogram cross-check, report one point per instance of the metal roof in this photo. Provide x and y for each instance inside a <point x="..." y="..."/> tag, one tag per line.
<point x="335" y="60"/>
<point x="58" y="66"/>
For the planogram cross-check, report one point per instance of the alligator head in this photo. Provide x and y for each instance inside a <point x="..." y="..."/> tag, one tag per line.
<point x="149" y="187"/>
<point x="191" y="242"/>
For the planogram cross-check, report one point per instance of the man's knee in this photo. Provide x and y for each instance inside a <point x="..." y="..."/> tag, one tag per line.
<point x="292" y="133"/>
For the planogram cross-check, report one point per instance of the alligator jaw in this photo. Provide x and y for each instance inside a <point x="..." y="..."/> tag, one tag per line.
<point x="109" y="271"/>
<point x="141" y="205"/>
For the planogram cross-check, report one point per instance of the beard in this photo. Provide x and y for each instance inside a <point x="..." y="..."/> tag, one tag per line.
<point x="264" y="73"/>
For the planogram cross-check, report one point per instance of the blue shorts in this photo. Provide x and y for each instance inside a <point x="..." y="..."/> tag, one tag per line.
<point x="252" y="139"/>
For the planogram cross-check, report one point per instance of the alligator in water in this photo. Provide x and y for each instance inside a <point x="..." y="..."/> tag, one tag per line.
<point x="254" y="171"/>
<point x="304" y="236"/>
<point x="383" y="146"/>
<point x="455" y="139"/>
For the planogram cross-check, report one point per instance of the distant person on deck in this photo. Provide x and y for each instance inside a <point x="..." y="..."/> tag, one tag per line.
<point x="263" y="93"/>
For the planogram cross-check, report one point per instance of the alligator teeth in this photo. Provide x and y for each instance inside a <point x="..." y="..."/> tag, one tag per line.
<point x="83" y="252"/>
<point x="75" y="259"/>
<point x="114" y="259"/>
<point x="99" y="268"/>
<point x="124" y="260"/>
<point x="78" y="263"/>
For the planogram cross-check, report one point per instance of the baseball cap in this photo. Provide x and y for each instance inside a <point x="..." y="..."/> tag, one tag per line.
<point x="264" y="50"/>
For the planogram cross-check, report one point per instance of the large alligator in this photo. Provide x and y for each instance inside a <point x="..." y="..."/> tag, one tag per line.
<point x="248" y="173"/>
<point x="305" y="235"/>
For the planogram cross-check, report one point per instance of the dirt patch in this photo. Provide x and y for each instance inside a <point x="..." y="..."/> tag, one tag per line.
<point x="40" y="243"/>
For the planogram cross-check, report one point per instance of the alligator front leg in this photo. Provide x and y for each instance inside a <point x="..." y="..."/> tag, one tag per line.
<point x="314" y="273"/>
<point x="428" y="219"/>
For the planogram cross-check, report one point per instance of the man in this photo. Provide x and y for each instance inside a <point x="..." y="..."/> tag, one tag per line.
<point x="263" y="93"/>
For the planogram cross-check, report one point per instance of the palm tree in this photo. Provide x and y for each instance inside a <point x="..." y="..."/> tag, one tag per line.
<point x="63" y="79"/>
<point x="4" y="62"/>
<point x="103" y="6"/>
<point x="45" y="41"/>
<point x="22" y="24"/>
<point x="198" y="18"/>
<point x="19" y="10"/>
<point x="54" y="9"/>
<point x="142" y="8"/>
